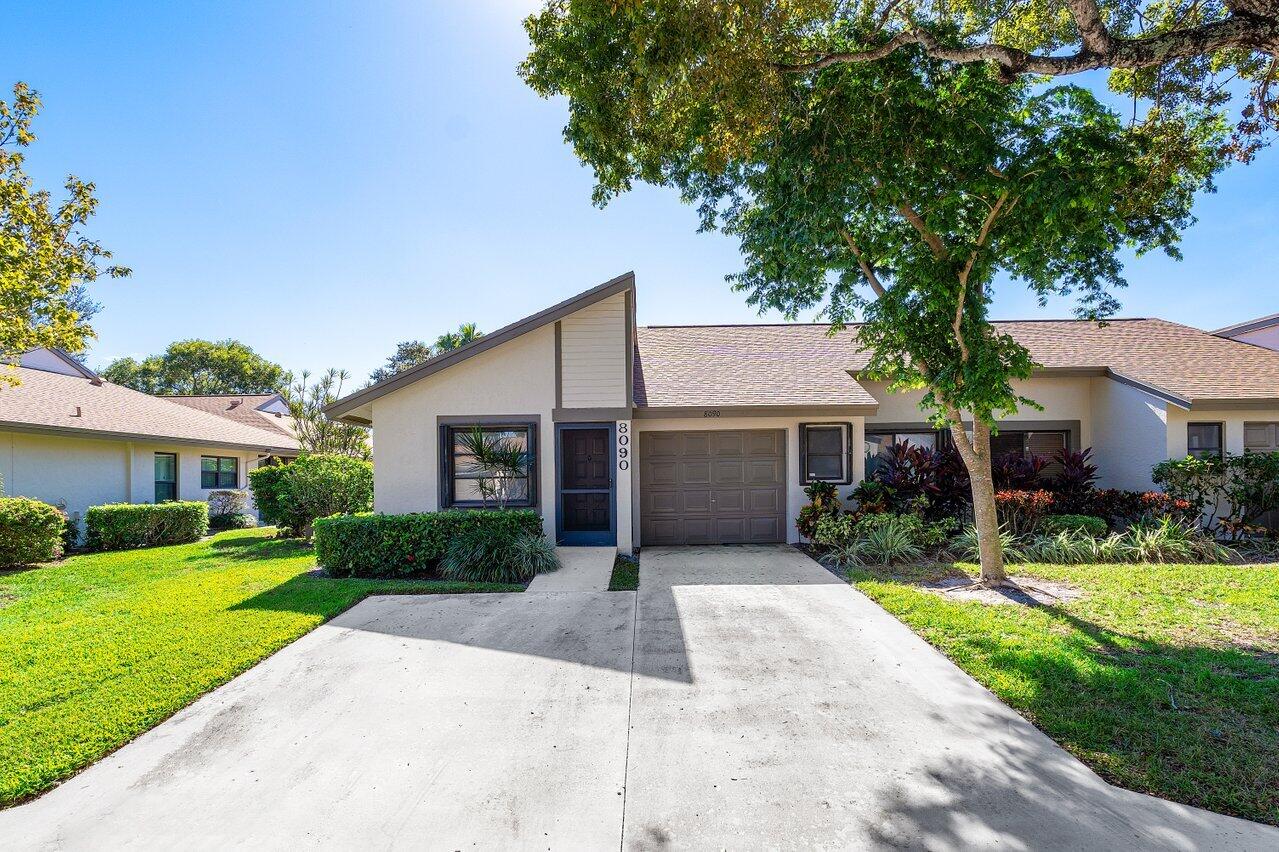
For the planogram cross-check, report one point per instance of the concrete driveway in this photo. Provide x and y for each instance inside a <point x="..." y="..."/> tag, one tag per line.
<point x="745" y="698"/>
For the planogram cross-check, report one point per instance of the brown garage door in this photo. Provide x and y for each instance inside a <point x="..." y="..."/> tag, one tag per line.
<point x="713" y="487"/>
<point x="1263" y="438"/>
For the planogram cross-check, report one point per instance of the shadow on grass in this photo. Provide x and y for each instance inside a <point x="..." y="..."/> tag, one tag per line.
<point x="247" y="548"/>
<point x="315" y="594"/>
<point x="1193" y="722"/>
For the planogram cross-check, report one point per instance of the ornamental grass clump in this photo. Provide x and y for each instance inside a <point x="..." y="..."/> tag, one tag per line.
<point x="484" y="556"/>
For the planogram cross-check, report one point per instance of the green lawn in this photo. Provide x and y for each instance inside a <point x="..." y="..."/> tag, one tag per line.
<point x="1162" y="678"/>
<point x="625" y="576"/>
<point x="99" y="648"/>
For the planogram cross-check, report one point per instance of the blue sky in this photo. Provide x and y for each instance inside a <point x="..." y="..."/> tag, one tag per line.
<point x="321" y="180"/>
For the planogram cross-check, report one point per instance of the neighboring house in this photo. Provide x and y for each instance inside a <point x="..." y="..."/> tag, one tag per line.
<point x="69" y="437"/>
<point x="267" y="410"/>
<point x="708" y="434"/>
<point x="1263" y="331"/>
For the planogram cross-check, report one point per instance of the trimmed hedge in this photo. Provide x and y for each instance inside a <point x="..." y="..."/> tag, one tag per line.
<point x="121" y="526"/>
<point x="293" y="495"/>
<point x="30" y="532"/>
<point x="375" y="545"/>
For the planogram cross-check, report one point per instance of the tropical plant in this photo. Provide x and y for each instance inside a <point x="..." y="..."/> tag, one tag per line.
<point x="489" y="557"/>
<point x="823" y="502"/>
<point x="1018" y="472"/>
<point x="1231" y="491"/>
<point x="450" y="340"/>
<point x="889" y="539"/>
<point x="199" y="367"/>
<point x="315" y="431"/>
<point x="1021" y="511"/>
<point x="1090" y="524"/>
<point x="967" y="545"/>
<point x="48" y="261"/>
<point x="410" y="353"/>
<point x="1078" y="475"/>
<point x="497" y="464"/>
<point x="898" y="191"/>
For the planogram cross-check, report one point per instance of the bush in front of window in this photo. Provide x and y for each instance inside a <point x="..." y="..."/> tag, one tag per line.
<point x="30" y="532"/>
<point x="1232" y="491"/>
<point x="376" y="545"/>
<point x="294" y="495"/>
<point x="122" y="526"/>
<point x="229" y="510"/>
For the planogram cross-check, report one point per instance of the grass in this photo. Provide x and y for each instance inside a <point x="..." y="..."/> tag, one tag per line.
<point x="99" y="648"/>
<point x="1162" y="678"/>
<point x="625" y="577"/>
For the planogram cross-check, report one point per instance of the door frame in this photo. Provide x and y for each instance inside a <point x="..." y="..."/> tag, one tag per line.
<point x="598" y="538"/>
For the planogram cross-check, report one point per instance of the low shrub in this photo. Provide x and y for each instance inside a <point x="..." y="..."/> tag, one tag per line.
<point x="1091" y="524"/>
<point x="30" y="532"/>
<point x="229" y="510"/>
<point x="120" y="526"/>
<point x="1021" y="511"/>
<point x="293" y="495"/>
<point x="376" y="545"/>
<point x="882" y="538"/>
<point x="823" y="503"/>
<point x="966" y="545"/>
<point x="483" y="556"/>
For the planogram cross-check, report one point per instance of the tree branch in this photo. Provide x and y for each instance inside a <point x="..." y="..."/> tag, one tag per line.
<point x="917" y="221"/>
<point x="866" y="268"/>
<point x="1243" y="30"/>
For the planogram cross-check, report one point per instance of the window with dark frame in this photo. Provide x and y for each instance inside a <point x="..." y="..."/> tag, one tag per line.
<point x="824" y="452"/>
<point x="166" y="477"/>
<point x="1203" y="440"/>
<point x="1044" y="443"/>
<point x="461" y="477"/>
<point x="219" y="472"/>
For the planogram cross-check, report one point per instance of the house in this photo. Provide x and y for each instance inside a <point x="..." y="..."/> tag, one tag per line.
<point x="708" y="434"/>
<point x="1263" y="331"/>
<point x="70" y="438"/>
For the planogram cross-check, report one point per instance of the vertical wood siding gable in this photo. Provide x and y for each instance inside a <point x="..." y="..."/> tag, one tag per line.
<point x="593" y="355"/>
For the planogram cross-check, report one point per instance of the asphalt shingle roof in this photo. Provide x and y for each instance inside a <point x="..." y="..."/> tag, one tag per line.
<point x="242" y="408"/>
<point x="52" y="400"/>
<point x="797" y="364"/>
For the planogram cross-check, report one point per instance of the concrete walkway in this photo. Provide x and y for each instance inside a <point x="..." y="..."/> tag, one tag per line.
<point x="744" y="699"/>
<point x="582" y="569"/>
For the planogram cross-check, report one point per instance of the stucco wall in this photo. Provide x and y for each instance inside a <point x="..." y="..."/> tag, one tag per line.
<point x="1267" y="337"/>
<point x="795" y="498"/>
<point x="88" y="472"/>
<point x="1063" y="398"/>
<point x="1232" y="419"/>
<point x="593" y="355"/>
<point x="516" y="379"/>
<point x="1129" y="434"/>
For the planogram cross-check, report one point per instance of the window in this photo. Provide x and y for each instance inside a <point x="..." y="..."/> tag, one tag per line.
<point x="467" y="481"/>
<point x="1203" y="440"/>
<point x="166" y="477"/>
<point x="823" y="452"/>
<point x="219" y="472"/>
<point x="877" y="444"/>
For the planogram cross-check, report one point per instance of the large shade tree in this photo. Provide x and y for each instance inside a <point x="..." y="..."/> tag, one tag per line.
<point x="901" y="189"/>
<point x="46" y="259"/>
<point x="196" y="367"/>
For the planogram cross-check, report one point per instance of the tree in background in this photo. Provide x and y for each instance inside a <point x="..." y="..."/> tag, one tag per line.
<point x="410" y="353"/>
<point x="315" y="432"/>
<point x="898" y="189"/>
<point x="46" y="261"/>
<point x="194" y="367"/>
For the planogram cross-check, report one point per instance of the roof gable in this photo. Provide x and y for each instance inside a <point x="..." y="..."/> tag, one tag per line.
<point x="344" y="408"/>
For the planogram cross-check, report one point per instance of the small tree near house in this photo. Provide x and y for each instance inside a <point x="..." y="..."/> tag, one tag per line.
<point x="902" y="190"/>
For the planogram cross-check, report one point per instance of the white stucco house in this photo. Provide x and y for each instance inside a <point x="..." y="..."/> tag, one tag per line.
<point x="704" y="434"/>
<point x="70" y="438"/>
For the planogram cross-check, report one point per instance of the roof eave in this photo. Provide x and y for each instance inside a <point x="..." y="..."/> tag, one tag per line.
<point x="72" y="431"/>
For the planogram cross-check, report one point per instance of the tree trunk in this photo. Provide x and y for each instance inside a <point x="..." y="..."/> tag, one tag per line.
<point x="976" y="456"/>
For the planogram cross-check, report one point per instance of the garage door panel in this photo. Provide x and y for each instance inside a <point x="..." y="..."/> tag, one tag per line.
<point x="764" y="444"/>
<point x="713" y="487"/>
<point x="729" y="500"/>
<point x="694" y="472"/>
<point x="728" y="444"/>
<point x="729" y="471"/>
<point x="761" y="502"/>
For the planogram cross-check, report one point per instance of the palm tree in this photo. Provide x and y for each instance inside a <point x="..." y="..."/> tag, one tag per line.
<point x="466" y="332"/>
